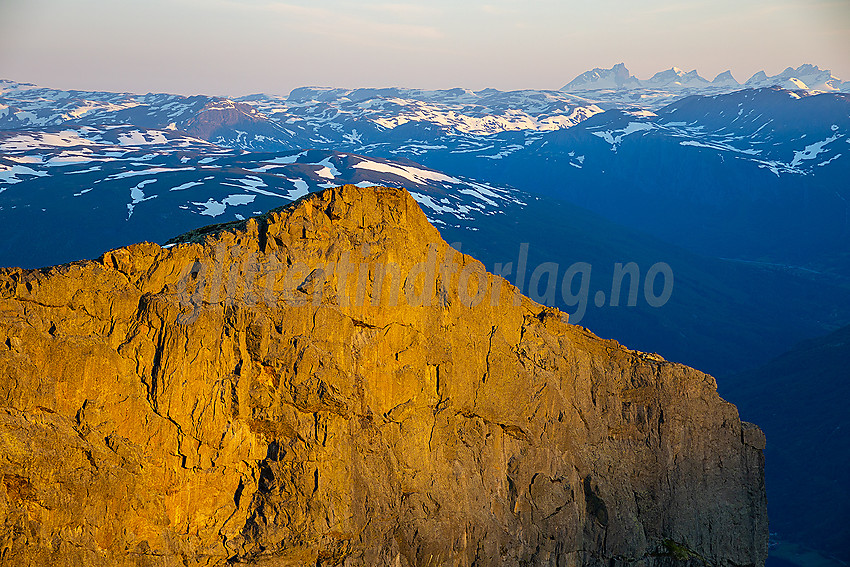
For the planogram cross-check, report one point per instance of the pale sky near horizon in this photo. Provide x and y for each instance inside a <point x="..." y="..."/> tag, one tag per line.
<point x="237" y="47"/>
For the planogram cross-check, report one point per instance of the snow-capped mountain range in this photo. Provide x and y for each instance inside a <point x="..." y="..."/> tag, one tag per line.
<point x="777" y="142"/>
<point x="427" y="126"/>
<point x="559" y="143"/>
<point x="618" y="86"/>
<point x="305" y="111"/>
<point x="361" y="118"/>
<point x="806" y="77"/>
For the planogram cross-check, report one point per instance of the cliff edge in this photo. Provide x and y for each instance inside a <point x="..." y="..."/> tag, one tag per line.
<point x="332" y="383"/>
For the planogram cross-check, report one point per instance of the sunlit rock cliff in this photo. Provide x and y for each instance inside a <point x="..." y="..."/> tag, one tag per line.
<point x="333" y="384"/>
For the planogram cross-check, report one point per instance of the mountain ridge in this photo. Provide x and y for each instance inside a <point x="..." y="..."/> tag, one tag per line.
<point x="806" y="77"/>
<point x="215" y="422"/>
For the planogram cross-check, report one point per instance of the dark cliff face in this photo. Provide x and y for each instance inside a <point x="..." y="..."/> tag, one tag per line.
<point x="334" y="384"/>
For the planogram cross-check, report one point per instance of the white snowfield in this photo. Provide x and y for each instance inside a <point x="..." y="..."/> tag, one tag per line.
<point x="415" y="174"/>
<point x="88" y="138"/>
<point x="137" y="195"/>
<point x="468" y="119"/>
<point x="462" y="197"/>
<point x="213" y="208"/>
<point x="759" y="147"/>
<point x="457" y="111"/>
<point x="615" y="137"/>
<point x="152" y="167"/>
<point x="36" y="140"/>
<point x="10" y="174"/>
<point x="812" y="151"/>
<point x="139" y="138"/>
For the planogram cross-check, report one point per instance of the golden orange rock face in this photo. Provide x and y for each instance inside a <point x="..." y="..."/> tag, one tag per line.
<point x="334" y="384"/>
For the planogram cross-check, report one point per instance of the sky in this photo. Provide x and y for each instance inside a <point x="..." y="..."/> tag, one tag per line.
<point x="237" y="47"/>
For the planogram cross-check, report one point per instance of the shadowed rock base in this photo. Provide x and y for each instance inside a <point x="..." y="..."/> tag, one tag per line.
<point x="333" y="384"/>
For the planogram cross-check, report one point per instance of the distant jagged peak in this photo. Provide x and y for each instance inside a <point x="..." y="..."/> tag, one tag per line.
<point x="675" y="77"/>
<point x="666" y="75"/>
<point x="757" y="78"/>
<point x="617" y="77"/>
<point x="804" y="70"/>
<point x="804" y="77"/>
<point x="725" y="79"/>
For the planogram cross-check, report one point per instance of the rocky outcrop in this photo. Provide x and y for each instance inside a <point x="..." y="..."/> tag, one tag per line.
<point x="333" y="384"/>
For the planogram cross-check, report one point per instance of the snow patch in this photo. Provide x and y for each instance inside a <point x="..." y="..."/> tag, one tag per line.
<point x="138" y="196"/>
<point x="10" y="173"/>
<point x="139" y="138"/>
<point x="615" y="137"/>
<point x="823" y="163"/>
<point x="186" y="186"/>
<point x="301" y="189"/>
<point x="812" y="150"/>
<point x="213" y="208"/>
<point x="328" y="170"/>
<point x="414" y="174"/>
<point x="145" y="172"/>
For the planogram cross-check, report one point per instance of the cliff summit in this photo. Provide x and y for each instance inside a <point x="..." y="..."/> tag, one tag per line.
<point x="332" y="383"/>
